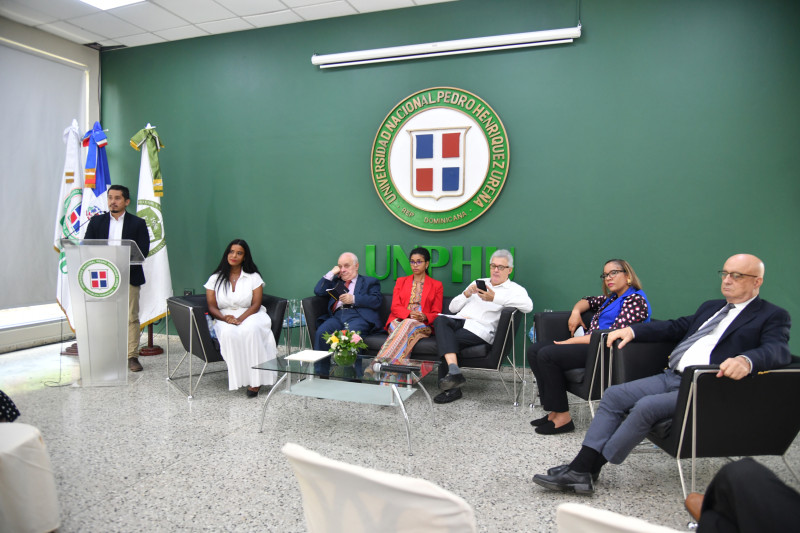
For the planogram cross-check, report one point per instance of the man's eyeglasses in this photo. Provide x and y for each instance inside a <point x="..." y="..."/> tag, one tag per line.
<point x="610" y="274"/>
<point x="501" y="268"/>
<point x="735" y="275"/>
<point x="415" y="263"/>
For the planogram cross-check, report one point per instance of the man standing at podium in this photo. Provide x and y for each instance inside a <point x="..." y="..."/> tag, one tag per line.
<point x="119" y="224"/>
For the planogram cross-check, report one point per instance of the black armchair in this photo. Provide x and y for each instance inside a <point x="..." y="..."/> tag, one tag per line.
<point x="721" y="417"/>
<point x="589" y="382"/>
<point x="188" y="315"/>
<point x="484" y="357"/>
<point x="604" y="367"/>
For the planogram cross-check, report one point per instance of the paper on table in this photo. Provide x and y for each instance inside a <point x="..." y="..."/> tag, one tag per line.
<point x="307" y="356"/>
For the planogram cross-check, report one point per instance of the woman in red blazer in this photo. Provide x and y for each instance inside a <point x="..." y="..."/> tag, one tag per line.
<point x="416" y="302"/>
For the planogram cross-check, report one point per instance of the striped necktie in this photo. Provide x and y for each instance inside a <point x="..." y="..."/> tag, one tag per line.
<point x="707" y="328"/>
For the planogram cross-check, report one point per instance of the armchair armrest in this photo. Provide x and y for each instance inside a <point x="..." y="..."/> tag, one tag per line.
<point x="552" y="326"/>
<point x="638" y="360"/>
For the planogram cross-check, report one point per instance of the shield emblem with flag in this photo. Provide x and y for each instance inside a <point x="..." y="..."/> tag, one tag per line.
<point x="99" y="279"/>
<point x="437" y="162"/>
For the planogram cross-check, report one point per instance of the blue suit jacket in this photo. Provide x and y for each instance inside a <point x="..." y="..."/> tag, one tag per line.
<point x="761" y="332"/>
<point x="133" y="228"/>
<point x="367" y="294"/>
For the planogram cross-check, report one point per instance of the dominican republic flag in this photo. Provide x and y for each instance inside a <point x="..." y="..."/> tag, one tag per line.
<point x="437" y="162"/>
<point x="99" y="279"/>
<point x="68" y="213"/>
<point x="96" y="176"/>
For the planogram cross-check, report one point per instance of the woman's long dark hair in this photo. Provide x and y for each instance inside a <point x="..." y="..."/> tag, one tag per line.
<point x="224" y="268"/>
<point x="424" y="253"/>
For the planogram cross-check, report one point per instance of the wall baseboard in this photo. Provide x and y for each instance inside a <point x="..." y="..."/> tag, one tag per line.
<point x="21" y="337"/>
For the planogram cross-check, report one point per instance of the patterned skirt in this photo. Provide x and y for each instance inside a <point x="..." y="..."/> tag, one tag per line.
<point x="403" y="335"/>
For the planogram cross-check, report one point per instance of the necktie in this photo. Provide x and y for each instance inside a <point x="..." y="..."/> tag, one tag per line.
<point x="707" y="328"/>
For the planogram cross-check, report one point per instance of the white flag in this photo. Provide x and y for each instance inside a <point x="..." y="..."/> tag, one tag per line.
<point x="158" y="284"/>
<point x="68" y="213"/>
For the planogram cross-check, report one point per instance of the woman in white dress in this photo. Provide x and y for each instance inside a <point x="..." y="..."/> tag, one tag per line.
<point x="241" y="323"/>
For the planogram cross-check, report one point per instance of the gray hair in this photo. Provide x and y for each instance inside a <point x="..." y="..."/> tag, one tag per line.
<point x="506" y="254"/>
<point x="355" y="257"/>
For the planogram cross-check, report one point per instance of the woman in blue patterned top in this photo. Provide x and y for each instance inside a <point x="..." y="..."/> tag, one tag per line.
<point x="623" y="303"/>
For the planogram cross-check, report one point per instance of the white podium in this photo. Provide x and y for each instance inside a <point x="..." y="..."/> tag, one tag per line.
<point x="99" y="276"/>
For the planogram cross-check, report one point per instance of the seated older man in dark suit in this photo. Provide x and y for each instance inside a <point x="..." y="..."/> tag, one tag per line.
<point x="743" y="334"/>
<point x="357" y="308"/>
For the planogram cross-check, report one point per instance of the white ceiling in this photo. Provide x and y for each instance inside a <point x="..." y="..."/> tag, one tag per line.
<point x="158" y="21"/>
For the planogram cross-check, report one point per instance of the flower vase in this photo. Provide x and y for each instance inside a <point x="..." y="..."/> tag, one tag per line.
<point x="345" y="357"/>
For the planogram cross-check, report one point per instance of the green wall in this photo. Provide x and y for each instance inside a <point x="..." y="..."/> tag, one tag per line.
<point x="666" y="135"/>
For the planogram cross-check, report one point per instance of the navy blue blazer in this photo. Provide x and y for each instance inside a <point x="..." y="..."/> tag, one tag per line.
<point x="760" y="331"/>
<point x="367" y="294"/>
<point x="133" y="228"/>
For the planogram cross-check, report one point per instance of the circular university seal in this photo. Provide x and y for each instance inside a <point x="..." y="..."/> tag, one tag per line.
<point x="440" y="158"/>
<point x="150" y="211"/>
<point x="98" y="278"/>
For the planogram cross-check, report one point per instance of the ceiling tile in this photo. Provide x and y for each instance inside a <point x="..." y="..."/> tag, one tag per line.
<point x="62" y="9"/>
<point x="184" y="32"/>
<point x="148" y="16"/>
<point x="108" y="42"/>
<point x="105" y="25"/>
<point x="195" y="11"/>
<point x="24" y="14"/>
<point x="179" y="19"/>
<point x="299" y="3"/>
<point x="71" y="32"/>
<point x="252" y="7"/>
<point x="140" y="39"/>
<point x="225" y="26"/>
<point x="274" y="19"/>
<point x="326" y="10"/>
<point x="366" y="6"/>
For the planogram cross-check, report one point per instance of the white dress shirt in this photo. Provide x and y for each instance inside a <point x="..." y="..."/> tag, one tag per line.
<point x="481" y="317"/>
<point x="115" y="226"/>
<point x="699" y="353"/>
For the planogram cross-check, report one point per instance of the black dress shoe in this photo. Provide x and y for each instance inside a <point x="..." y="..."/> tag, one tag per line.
<point x="252" y="393"/>
<point x="448" y="396"/>
<point x="567" y="481"/>
<point x="556" y="470"/>
<point x="540" y="421"/>
<point x="452" y="381"/>
<point x="551" y="429"/>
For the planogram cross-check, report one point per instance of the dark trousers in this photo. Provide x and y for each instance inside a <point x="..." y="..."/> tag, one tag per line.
<point x="451" y="337"/>
<point x="353" y="321"/>
<point x="549" y="362"/>
<point x="746" y="497"/>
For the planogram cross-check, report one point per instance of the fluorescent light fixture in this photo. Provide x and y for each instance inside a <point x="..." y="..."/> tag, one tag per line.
<point x="110" y="4"/>
<point x="446" y="48"/>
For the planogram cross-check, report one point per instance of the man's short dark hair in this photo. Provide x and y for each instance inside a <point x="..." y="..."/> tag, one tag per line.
<point x="123" y="189"/>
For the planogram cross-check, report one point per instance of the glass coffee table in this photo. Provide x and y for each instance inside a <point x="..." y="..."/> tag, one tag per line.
<point x="364" y="382"/>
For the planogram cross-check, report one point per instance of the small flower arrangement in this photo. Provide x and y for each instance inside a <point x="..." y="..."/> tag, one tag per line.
<point x="344" y="345"/>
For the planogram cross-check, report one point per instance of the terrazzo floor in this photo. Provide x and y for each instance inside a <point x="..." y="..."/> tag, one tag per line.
<point x="143" y="457"/>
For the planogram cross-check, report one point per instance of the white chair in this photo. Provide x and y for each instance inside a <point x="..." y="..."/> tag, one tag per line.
<point x="339" y="497"/>
<point x="28" y="500"/>
<point x="579" y="518"/>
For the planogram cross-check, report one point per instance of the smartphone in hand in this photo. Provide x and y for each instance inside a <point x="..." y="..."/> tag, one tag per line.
<point x="481" y="284"/>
